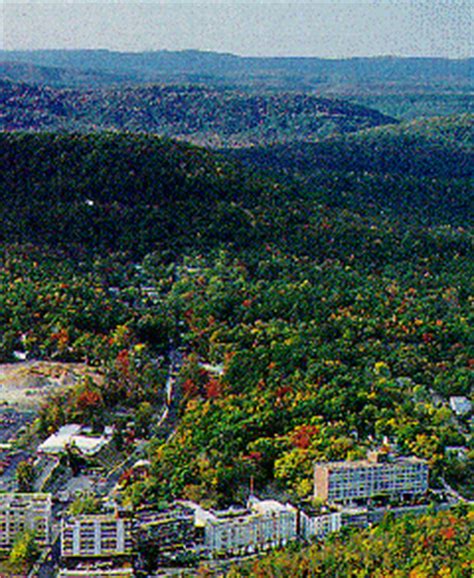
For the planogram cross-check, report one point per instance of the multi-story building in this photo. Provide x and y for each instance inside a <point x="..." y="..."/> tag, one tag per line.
<point x="96" y="536"/>
<point x="265" y="524"/>
<point x="361" y="480"/>
<point x="314" y="524"/>
<point x="165" y="532"/>
<point x="20" y="512"/>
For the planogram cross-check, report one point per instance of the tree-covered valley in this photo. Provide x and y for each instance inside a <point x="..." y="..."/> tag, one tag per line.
<point x="319" y="294"/>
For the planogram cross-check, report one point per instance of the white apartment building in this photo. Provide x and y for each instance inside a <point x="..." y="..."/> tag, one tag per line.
<point x="96" y="536"/>
<point x="20" y="512"/>
<point x="265" y="524"/>
<point x="318" y="525"/>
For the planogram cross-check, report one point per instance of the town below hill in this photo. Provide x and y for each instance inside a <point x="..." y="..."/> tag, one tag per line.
<point x="220" y="339"/>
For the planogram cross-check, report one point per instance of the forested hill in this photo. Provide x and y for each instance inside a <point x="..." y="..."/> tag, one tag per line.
<point x="431" y="147"/>
<point x="204" y="116"/>
<point x="109" y="192"/>
<point x="423" y="167"/>
<point x="137" y="193"/>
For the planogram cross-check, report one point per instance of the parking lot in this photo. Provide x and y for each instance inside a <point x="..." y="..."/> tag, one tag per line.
<point x="13" y="423"/>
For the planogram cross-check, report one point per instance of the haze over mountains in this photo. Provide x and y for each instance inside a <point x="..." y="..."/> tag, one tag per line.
<point x="195" y="66"/>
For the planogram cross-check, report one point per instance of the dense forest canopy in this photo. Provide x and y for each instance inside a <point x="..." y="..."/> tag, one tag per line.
<point x="416" y="170"/>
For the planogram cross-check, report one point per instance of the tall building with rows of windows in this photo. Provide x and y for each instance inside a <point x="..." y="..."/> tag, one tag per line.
<point x="361" y="480"/>
<point x="96" y="536"/>
<point x="265" y="524"/>
<point x="20" y="512"/>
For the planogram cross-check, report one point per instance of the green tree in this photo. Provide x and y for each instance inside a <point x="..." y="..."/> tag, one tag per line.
<point x="25" y="550"/>
<point x="25" y="476"/>
<point x="143" y="419"/>
<point x="85" y="504"/>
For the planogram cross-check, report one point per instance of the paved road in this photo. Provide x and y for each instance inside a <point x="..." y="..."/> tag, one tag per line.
<point x="164" y="424"/>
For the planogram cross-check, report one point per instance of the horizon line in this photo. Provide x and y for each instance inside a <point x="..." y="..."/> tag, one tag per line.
<point x="240" y="56"/>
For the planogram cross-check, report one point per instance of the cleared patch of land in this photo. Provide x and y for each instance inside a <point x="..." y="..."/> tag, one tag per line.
<point x="26" y="385"/>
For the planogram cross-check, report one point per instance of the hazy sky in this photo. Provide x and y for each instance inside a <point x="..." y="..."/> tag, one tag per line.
<point x="321" y="28"/>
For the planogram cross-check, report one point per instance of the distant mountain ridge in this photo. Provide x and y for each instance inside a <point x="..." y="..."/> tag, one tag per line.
<point x="201" y="115"/>
<point x="35" y="74"/>
<point x="192" y="66"/>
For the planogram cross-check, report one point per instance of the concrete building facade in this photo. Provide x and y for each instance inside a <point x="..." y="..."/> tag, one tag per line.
<point x="20" y="512"/>
<point x="319" y="525"/>
<point x="96" y="536"/>
<point x="266" y="524"/>
<point x="91" y="572"/>
<point x="165" y="532"/>
<point x="361" y="480"/>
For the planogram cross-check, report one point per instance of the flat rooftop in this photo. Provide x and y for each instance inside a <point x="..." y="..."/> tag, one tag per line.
<point x="369" y="463"/>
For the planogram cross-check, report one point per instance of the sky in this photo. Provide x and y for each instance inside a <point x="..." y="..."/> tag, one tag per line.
<point x="325" y="28"/>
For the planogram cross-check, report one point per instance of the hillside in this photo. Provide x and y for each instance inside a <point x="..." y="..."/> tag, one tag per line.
<point x="112" y="191"/>
<point x="109" y="191"/>
<point x="421" y="168"/>
<point x="204" y="116"/>
<point x="431" y="147"/>
<point x="333" y="322"/>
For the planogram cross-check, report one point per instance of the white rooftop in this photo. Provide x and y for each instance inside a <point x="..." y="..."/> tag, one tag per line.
<point x="267" y="506"/>
<point x="141" y="464"/>
<point x="201" y="516"/>
<point x="68" y="435"/>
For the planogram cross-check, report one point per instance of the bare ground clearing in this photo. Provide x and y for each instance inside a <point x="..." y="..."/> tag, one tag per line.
<point x="25" y="385"/>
